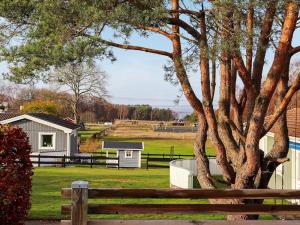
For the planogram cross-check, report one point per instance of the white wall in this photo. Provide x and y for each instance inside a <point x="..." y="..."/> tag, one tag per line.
<point x="180" y="177"/>
<point x="182" y="172"/>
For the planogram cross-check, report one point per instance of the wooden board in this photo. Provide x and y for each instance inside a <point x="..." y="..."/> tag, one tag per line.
<point x="185" y="222"/>
<point x="188" y="193"/>
<point x="188" y="209"/>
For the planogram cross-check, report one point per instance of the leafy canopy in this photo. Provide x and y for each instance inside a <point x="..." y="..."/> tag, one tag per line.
<point x="53" y="32"/>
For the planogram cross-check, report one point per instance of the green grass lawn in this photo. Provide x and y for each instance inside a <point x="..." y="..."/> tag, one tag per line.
<point x="47" y="183"/>
<point x="86" y="134"/>
<point x="163" y="146"/>
<point x="90" y="130"/>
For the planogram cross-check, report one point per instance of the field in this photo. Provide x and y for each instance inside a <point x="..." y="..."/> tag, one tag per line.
<point x="155" y="142"/>
<point x="163" y="146"/>
<point x="47" y="182"/>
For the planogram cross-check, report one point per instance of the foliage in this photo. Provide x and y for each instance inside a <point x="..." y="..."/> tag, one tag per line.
<point x="90" y="145"/>
<point x="146" y="112"/>
<point x="27" y="94"/>
<point x="191" y="118"/>
<point x="15" y="173"/>
<point x="42" y="106"/>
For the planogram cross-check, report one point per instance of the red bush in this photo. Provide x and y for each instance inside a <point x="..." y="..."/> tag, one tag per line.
<point x="15" y="175"/>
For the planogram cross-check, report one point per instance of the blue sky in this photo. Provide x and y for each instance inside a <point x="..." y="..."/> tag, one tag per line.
<point x="138" y="77"/>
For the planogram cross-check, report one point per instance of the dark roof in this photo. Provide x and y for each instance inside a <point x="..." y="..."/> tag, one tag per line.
<point x="293" y="122"/>
<point x="45" y="117"/>
<point x="54" y="119"/>
<point x="123" y="145"/>
<point x="5" y="116"/>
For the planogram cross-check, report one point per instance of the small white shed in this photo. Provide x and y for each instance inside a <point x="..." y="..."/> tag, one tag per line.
<point x="128" y="153"/>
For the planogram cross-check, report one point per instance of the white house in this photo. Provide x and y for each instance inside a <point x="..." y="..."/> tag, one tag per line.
<point x="287" y="175"/>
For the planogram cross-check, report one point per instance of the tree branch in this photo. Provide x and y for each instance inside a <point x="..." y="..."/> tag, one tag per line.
<point x="244" y="75"/>
<point x="284" y="103"/>
<point x="137" y="48"/>
<point x="188" y="28"/>
<point x="187" y="11"/>
<point x="155" y="29"/>
<point x="294" y="50"/>
<point x="236" y="129"/>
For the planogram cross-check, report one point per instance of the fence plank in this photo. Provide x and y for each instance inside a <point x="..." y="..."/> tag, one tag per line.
<point x="189" y="193"/>
<point x="229" y="209"/>
<point x="184" y="222"/>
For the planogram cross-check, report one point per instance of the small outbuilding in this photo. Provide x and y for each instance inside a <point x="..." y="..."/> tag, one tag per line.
<point x="48" y="135"/>
<point x="128" y="153"/>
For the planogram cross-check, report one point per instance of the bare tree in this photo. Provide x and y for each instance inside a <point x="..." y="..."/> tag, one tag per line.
<point x="80" y="79"/>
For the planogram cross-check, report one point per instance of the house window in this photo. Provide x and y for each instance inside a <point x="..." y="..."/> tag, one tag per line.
<point x="128" y="154"/>
<point x="47" y="140"/>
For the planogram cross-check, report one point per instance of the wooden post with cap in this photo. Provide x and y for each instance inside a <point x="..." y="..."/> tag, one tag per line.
<point x="79" y="202"/>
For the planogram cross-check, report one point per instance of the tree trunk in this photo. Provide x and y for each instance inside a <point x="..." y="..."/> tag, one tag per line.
<point x="203" y="173"/>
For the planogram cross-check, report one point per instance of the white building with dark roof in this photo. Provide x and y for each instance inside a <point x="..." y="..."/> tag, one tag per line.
<point x="128" y="153"/>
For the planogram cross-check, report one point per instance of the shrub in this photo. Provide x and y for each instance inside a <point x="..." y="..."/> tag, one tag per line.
<point x="90" y="145"/>
<point x="42" y="106"/>
<point x="15" y="175"/>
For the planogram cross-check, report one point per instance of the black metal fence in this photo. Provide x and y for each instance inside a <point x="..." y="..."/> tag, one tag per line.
<point x="177" y="129"/>
<point x="64" y="160"/>
<point x="97" y="159"/>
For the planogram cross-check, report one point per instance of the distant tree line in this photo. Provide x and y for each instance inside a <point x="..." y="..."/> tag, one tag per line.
<point x="90" y="108"/>
<point x="144" y="112"/>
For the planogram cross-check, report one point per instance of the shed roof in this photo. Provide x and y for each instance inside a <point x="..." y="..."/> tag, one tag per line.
<point x="123" y="145"/>
<point x="293" y="122"/>
<point x="45" y="117"/>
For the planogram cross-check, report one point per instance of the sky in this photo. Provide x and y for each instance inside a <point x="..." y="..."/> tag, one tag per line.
<point x="138" y="77"/>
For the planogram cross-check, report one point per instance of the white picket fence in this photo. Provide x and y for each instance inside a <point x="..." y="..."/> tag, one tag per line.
<point x="182" y="172"/>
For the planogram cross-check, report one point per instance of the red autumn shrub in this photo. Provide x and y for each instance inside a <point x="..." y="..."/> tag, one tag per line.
<point x="15" y="175"/>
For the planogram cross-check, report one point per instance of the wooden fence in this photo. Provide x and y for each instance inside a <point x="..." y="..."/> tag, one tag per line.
<point x="79" y="193"/>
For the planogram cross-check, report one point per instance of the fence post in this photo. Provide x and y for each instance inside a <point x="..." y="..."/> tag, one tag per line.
<point x="92" y="161"/>
<point x="64" y="161"/>
<point x="79" y="202"/>
<point x="39" y="160"/>
<point x="147" y="163"/>
<point x="172" y="153"/>
<point x="118" y="160"/>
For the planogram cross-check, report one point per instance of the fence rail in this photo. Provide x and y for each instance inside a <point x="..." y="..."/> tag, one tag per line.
<point x="163" y="155"/>
<point x="80" y="208"/>
<point x="92" y="160"/>
<point x="64" y="160"/>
